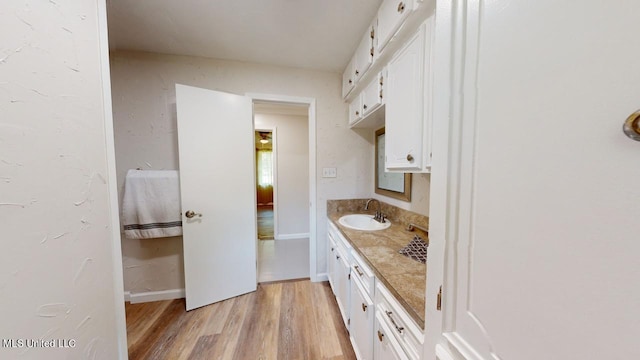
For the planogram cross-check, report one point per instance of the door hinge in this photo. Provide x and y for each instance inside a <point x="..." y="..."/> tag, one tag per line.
<point x="439" y="301"/>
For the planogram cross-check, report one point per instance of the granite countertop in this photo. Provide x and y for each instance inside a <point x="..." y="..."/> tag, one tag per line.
<point x="405" y="278"/>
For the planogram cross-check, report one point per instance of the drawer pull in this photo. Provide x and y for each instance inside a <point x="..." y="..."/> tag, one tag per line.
<point x="364" y="307"/>
<point x="380" y="335"/>
<point x="357" y="268"/>
<point x="398" y="328"/>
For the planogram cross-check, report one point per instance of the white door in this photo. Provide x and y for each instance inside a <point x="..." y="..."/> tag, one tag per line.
<point x="217" y="181"/>
<point x="544" y="194"/>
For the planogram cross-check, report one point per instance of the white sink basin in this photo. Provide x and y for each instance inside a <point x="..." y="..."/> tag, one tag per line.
<point x="363" y="222"/>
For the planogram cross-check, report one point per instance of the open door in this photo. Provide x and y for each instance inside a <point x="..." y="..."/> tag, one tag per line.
<point x="217" y="178"/>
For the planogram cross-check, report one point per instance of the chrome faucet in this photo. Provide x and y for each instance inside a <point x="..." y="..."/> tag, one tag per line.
<point x="379" y="217"/>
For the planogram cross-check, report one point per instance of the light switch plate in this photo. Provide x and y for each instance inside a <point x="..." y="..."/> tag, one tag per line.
<point x="329" y="172"/>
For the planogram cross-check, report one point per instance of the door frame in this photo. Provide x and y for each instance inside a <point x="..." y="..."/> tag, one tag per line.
<point x="311" y="102"/>
<point x="274" y="164"/>
<point x="112" y="184"/>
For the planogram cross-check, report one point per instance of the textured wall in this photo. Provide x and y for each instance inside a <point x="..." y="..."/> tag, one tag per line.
<point x="292" y="150"/>
<point x="56" y="263"/>
<point x="420" y="190"/>
<point x="145" y="126"/>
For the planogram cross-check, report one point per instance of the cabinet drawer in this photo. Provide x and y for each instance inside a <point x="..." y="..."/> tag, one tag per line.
<point x="338" y="238"/>
<point x="385" y="344"/>
<point x="407" y="333"/>
<point x="362" y="271"/>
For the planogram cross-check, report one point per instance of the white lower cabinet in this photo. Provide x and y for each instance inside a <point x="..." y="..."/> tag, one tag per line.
<point x="361" y="326"/>
<point x="403" y="328"/>
<point x="331" y="262"/>
<point x="339" y="266"/>
<point x="385" y="345"/>
<point x="343" y="283"/>
<point x="379" y="327"/>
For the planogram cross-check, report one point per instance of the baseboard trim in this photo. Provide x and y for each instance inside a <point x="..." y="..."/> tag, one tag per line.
<point x="292" y="236"/>
<point x="149" y="296"/>
<point x="321" y="277"/>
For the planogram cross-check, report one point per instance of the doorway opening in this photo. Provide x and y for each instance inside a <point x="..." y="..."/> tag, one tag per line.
<point x="282" y="189"/>
<point x="265" y="182"/>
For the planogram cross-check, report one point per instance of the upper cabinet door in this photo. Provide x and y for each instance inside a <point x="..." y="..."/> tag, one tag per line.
<point x="372" y="95"/>
<point x="348" y="78"/>
<point x="364" y="54"/>
<point x="390" y="16"/>
<point x="407" y="147"/>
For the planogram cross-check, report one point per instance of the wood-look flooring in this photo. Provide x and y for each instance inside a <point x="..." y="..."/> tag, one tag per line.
<point x="265" y="222"/>
<point x="288" y="320"/>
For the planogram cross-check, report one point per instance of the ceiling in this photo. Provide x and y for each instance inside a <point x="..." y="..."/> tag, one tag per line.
<point x="313" y="34"/>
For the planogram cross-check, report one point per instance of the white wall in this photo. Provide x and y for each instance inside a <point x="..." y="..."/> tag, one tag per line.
<point x="292" y="151"/>
<point x="57" y="261"/>
<point x="145" y="126"/>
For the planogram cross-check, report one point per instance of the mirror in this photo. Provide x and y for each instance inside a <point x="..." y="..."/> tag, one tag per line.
<point x="395" y="185"/>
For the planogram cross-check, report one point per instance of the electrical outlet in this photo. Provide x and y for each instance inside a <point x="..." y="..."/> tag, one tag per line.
<point x="329" y="172"/>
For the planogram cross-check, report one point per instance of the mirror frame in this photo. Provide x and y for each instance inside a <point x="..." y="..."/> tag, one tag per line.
<point x="404" y="196"/>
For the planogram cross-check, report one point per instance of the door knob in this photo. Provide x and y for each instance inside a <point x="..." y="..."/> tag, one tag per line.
<point x="409" y="157"/>
<point x="190" y="214"/>
<point x="631" y="126"/>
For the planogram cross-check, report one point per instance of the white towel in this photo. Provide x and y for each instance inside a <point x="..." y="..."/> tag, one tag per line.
<point x="151" y="204"/>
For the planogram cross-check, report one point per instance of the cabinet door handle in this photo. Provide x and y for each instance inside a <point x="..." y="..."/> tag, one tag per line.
<point x="409" y="157"/>
<point x="350" y="81"/>
<point x="357" y="113"/>
<point x="337" y="257"/>
<point x="364" y="106"/>
<point x="332" y="249"/>
<point x="364" y="307"/>
<point x="357" y="72"/>
<point x="380" y="335"/>
<point x="371" y="51"/>
<point x="401" y="7"/>
<point x="398" y="328"/>
<point x="380" y="94"/>
<point x="357" y="268"/>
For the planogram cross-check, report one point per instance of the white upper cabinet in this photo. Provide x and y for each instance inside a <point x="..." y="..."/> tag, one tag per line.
<point x="364" y="54"/>
<point x="348" y="78"/>
<point x="355" y="110"/>
<point x="408" y="146"/>
<point x="391" y="15"/>
<point x="372" y="96"/>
